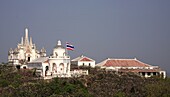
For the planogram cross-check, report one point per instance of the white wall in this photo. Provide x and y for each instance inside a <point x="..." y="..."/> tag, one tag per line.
<point x="58" y="62"/>
<point x="59" y="52"/>
<point x="86" y="63"/>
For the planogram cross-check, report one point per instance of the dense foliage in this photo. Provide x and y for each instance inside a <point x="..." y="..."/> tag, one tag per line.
<point x="22" y="83"/>
<point x="102" y="83"/>
<point x="99" y="83"/>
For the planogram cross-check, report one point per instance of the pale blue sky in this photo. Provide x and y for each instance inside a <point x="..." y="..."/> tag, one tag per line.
<point x="97" y="28"/>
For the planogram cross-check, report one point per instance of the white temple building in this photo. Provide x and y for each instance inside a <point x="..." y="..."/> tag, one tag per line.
<point x="26" y="51"/>
<point x="56" y="65"/>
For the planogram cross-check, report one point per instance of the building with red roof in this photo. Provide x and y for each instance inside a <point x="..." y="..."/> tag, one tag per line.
<point x="83" y="61"/>
<point x="131" y="65"/>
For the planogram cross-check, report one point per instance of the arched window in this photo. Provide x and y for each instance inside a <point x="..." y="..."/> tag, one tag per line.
<point x="61" y="66"/>
<point x="89" y="64"/>
<point x="54" y="68"/>
<point x="24" y="67"/>
<point x="56" y="54"/>
<point x="29" y="59"/>
<point x="46" y="69"/>
<point x="83" y="64"/>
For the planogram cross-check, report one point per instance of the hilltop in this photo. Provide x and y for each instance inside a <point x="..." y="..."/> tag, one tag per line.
<point x="99" y="83"/>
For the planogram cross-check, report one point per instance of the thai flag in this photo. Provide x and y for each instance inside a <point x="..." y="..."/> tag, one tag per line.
<point x="69" y="46"/>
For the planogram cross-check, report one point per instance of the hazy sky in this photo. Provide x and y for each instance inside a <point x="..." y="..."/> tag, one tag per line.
<point x="97" y="28"/>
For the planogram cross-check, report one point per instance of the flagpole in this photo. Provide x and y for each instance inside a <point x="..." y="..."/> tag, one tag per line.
<point x="66" y="57"/>
<point x="66" y="49"/>
<point x="67" y="54"/>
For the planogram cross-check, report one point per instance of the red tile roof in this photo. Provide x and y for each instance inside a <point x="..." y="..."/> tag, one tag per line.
<point x="85" y="59"/>
<point x="82" y="58"/>
<point x="123" y="63"/>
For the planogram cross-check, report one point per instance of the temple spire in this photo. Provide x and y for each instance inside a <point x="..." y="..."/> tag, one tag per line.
<point x="30" y="40"/>
<point x="22" y="41"/>
<point x="26" y="37"/>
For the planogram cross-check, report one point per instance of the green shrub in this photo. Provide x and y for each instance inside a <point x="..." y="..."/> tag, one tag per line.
<point x="4" y="83"/>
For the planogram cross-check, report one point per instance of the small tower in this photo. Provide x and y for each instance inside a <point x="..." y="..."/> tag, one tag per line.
<point x="11" y="51"/>
<point x="22" y="41"/>
<point x="43" y="52"/>
<point x="10" y="55"/>
<point x="31" y="41"/>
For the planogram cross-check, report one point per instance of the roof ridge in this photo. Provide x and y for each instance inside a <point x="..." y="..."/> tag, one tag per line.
<point x="119" y="59"/>
<point x="81" y="57"/>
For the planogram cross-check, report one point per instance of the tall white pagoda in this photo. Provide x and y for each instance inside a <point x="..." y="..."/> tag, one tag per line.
<point x="25" y="52"/>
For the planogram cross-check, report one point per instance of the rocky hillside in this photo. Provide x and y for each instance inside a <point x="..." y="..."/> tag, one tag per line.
<point x="99" y="83"/>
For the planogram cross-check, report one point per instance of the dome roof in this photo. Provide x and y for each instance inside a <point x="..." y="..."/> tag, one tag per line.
<point x="59" y="45"/>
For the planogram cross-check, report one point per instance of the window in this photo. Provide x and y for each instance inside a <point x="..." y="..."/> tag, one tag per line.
<point x="56" y="54"/>
<point x="46" y="68"/>
<point x="54" y="67"/>
<point x="149" y="73"/>
<point x="143" y="73"/>
<point x="154" y="73"/>
<point x="83" y="64"/>
<point x="28" y="59"/>
<point x="18" y="66"/>
<point x="61" y="66"/>
<point x="89" y="64"/>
